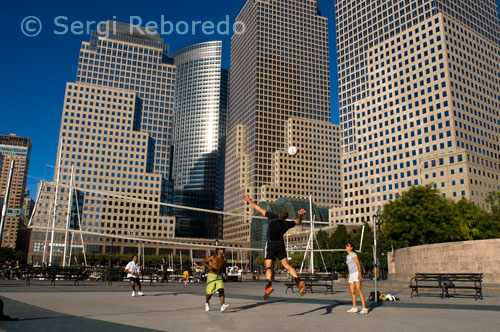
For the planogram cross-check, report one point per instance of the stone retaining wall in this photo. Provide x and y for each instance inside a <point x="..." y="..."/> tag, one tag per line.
<point x="453" y="257"/>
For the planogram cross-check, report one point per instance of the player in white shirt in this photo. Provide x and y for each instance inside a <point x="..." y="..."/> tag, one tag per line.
<point x="133" y="270"/>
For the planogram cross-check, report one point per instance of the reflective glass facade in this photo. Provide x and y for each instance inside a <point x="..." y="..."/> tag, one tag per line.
<point x="200" y="109"/>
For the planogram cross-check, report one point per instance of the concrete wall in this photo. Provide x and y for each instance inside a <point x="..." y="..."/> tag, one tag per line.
<point x="453" y="257"/>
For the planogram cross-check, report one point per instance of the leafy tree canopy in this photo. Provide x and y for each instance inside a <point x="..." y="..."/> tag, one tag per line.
<point x="422" y="216"/>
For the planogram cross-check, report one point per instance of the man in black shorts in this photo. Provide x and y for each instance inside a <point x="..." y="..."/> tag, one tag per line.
<point x="133" y="270"/>
<point x="275" y="246"/>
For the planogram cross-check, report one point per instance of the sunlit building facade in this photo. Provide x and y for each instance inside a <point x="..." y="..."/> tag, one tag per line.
<point x="419" y="99"/>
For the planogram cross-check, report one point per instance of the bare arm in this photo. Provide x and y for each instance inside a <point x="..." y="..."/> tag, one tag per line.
<point x="255" y="206"/>
<point x="356" y="260"/>
<point x="301" y="213"/>
<point x="206" y="261"/>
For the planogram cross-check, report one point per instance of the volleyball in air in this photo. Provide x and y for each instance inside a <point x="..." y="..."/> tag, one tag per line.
<point x="292" y="150"/>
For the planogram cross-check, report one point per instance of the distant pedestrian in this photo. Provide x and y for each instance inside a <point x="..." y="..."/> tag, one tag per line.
<point x="84" y="273"/>
<point x="6" y="269"/>
<point x="185" y="275"/>
<point x="17" y="270"/>
<point x="133" y="270"/>
<point x="354" y="279"/>
<point x="164" y="270"/>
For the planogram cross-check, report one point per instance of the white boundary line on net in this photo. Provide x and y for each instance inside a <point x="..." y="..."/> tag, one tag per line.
<point x="141" y="239"/>
<point x="105" y="193"/>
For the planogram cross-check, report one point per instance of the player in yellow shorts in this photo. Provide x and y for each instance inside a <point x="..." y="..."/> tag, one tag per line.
<point x="215" y="265"/>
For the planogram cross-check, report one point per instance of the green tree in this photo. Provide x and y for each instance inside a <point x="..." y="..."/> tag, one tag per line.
<point x="493" y="200"/>
<point x="296" y="260"/>
<point x="12" y="255"/>
<point x="480" y="224"/>
<point x="322" y="243"/>
<point x="259" y="261"/>
<point x="366" y="255"/>
<point x="338" y="240"/>
<point x="421" y="216"/>
<point x="6" y="253"/>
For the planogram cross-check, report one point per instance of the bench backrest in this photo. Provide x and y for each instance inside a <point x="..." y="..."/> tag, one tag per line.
<point x="455" y="277"/>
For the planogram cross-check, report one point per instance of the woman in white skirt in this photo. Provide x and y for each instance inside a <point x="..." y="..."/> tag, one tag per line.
<point x="354" y="279"/>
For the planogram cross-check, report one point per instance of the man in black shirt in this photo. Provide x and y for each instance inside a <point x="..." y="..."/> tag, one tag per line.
<point x="275" y="246"/>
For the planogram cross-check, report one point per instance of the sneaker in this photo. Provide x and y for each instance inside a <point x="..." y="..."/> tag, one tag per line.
<point x="207" y="307"/>
<point x="224" y="307"/>
<point x="140" y="293"/>
<point x="133" y="293"/>
<point x="364" y="311"/>
<point x="302" y="288"/>
<point x="353" y="310"/>
<point x="269" y="290"/>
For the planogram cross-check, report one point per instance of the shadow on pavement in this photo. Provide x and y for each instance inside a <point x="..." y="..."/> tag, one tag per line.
<point x="254" y="305"/>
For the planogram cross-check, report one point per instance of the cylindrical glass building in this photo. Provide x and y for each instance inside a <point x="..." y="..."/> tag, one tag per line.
<point x="200" y="108"/>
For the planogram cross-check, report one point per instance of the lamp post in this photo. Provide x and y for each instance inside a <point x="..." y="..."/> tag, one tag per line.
<point x="110" y="256"/>
<point x="375" y="218"/>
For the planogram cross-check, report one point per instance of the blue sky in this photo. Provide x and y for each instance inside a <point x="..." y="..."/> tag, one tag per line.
<point x="34" y="70"/>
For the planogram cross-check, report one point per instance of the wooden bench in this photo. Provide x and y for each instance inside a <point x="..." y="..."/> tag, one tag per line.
<point x="64" y="273"/>
<point x="51" y="273"/>
<point x="467" y="281"/>
<point x="28" y="272"/>
<point x="445" y="281"/>
<point x="114" y="274"/>
<point x="313" y="281"/>
<point x="150" y="275"/>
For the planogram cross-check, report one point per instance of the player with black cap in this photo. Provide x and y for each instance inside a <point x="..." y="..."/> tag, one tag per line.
<point x="215" y="264"/>
<point x="275" y="246"/>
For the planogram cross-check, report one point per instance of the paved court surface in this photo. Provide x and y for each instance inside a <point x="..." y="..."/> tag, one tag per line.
<point x="94" y="306"/>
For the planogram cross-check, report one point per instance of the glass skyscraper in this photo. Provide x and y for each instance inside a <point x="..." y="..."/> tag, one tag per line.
<point x="419" y="100"/>
<point x="200" y="110"/>
<point x="279" y="70"/>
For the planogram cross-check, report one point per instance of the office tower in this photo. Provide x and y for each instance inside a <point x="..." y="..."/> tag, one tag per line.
<point x="200" y="109"/>
<point x="114" y="138"/>
<point x="15" y="154"/>
<point x="419" y="100"/>
<point x="132" y="58"/>
<point x="28" y="204"/>
<point x="279" y="70"/>
<point x="313" y="171"/>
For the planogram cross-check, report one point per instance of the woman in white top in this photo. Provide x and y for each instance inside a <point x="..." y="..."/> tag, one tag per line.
<point x="354" y="279"/>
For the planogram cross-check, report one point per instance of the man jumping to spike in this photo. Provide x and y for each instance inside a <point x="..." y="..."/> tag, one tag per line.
<point x="275" y="246"/>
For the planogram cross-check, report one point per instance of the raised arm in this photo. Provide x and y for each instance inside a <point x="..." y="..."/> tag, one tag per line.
<point x="301" y="213"/>
<point x="255" y="206"/>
